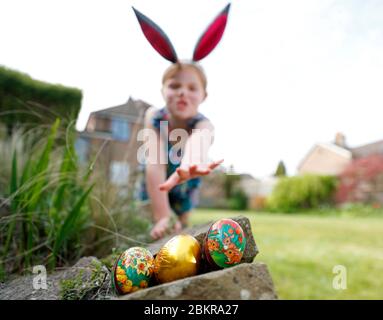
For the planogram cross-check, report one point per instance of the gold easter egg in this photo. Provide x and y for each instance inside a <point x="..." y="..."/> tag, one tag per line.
<point x="179" y="258"/>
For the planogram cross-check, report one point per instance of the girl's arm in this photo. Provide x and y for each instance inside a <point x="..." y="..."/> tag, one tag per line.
<point x="156" y="175"/>
<point x="195" y="158"/>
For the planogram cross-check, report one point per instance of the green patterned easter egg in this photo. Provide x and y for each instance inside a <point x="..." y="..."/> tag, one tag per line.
<point x="132" y="270"/>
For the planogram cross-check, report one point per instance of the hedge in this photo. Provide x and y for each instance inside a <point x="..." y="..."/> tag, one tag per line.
<point x="24" y="100"/>
<point x="302" y="192"/>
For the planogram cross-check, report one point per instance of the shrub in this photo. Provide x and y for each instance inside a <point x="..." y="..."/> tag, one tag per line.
<point x="362" y="181"/>
<point x="238" y="200"/>
<point x="302" y="192"/>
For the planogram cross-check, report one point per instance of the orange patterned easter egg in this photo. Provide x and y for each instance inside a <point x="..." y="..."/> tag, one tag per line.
<point x="224" y="244"/>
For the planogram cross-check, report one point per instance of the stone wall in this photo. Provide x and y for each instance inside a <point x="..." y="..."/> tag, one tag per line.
<point x="89" y="279"/>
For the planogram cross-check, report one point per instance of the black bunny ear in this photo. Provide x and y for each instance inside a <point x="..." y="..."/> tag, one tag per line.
<point x="212" y="35"/>
<point x="156" y="37"/>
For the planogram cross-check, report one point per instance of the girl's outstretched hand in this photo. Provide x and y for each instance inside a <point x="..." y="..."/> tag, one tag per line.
<point x="183" y="174"/>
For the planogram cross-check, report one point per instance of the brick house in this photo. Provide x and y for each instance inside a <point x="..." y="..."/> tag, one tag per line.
<point x="337" y="158"/>
<point x="212" y="194"/>
<point x="110" y="135"/>
<point x="326" y="158"/>
<point x="368" y="149"/>
<point x="332" y="158"/>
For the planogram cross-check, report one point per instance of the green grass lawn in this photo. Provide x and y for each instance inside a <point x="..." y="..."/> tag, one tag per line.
<point x="301" y="251"/>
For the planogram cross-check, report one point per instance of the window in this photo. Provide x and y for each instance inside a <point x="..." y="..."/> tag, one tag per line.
<point x="81" y="146"/>
<point x="120" y="129"/>
<point x="119" y="173"/>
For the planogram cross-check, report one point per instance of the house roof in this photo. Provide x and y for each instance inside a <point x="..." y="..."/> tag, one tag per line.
<point x="328" y="146"/>
<point x="131" y="108"/>
<point x="348" y="153"/>
<point x="247" y="176"/>
<point x="367" y="149"/>
<point x="337" y="149"/>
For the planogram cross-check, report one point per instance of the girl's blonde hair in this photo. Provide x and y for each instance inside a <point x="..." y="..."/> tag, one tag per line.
<point x="172" y="70"/>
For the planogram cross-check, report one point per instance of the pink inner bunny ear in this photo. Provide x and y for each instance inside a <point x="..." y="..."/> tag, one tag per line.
<point x="156" y="37"/>
<point x="211" y="36"/>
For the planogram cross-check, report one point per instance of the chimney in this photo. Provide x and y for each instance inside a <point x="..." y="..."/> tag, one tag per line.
<point x="340" y="140"/>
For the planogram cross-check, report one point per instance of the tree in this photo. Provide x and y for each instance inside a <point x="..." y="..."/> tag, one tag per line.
<point x="230" y="182"/>
<point x="281" y="170"/>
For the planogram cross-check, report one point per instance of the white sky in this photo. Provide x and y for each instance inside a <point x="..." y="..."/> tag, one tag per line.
<point x="287" y="74"/>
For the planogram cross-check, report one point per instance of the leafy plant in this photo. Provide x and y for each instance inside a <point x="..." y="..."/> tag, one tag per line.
<point x="238" y="201"/>
<point x="47" y="205"/>
<point x="301" y="192"/>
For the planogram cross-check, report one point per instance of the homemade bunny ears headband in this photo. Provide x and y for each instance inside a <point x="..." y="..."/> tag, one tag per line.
<point x="206" y="43"/>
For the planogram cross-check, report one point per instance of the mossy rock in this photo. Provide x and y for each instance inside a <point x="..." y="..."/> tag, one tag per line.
<point x="87" y="281"/>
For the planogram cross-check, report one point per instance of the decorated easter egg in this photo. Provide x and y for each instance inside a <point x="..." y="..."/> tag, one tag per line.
<point x="179" y="258"/>
<point x="224" y="244"/>
<point x="132" y="270"/>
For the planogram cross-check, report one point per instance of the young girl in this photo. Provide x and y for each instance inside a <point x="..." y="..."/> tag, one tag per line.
<point x="172" y="183"/>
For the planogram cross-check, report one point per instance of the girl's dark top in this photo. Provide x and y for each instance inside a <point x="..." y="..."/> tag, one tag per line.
<point x="182" y="197"/>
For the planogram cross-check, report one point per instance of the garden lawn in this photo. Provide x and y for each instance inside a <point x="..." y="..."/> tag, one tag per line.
<point x="302" y="250"/>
